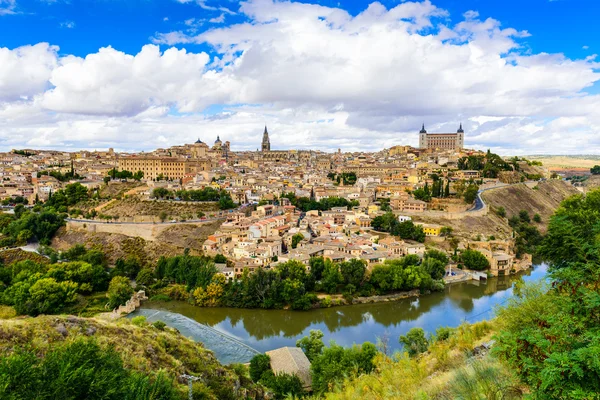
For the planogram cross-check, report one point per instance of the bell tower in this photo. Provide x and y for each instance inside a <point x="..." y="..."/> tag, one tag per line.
<point x="266" y="144"/>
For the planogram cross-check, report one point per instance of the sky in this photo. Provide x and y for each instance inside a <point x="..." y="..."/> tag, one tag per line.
<point x="135" y="75"/>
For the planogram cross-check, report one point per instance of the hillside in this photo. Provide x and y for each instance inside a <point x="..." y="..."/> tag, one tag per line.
<point x="543" y="199"/>
<point x="145" y="349"/>
<point x="133" y="206"/>
<point x="172" y="241"/>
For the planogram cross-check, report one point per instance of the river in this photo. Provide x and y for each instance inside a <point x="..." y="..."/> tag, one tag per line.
<point x="235" y="334"/>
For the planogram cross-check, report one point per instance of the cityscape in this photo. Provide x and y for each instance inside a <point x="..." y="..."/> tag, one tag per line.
<point x="284" y="200"/>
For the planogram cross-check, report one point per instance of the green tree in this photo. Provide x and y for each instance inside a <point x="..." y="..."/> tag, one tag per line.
<point x="414" y="342"/>
<point x="595" y="170"/>
<point x="473" y="259"/>
<point x="312" y="345"/>
<point x="297" y="238"/>
<point x="470" y="193"/>
<point x="119" y="291"/>
<point x="145" y="277"/>
<point x="501" y="212"/>
<point x="259" y="364"/>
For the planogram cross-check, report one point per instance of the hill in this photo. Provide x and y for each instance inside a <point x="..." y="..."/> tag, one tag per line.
<point x="542" y="199"/>
<point x="169" y="242"/>
<point x="144" y="349"/>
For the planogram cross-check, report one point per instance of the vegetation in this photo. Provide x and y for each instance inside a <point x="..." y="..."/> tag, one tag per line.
<point x="595" y="170"/>
<point x="124" y="174"/>
<point x="491" y="164"/>
<point x="305" y="204"/>
<point x="62" y="177"/>
<point x="347" y="178"/>
<point x="473" y="259"/>
<point x="405" y="230"/>
<point x="550" y="334"/>
<point x="78" y="358"/>
<point x="290" y="284"/>
<point x="206" y="194"/>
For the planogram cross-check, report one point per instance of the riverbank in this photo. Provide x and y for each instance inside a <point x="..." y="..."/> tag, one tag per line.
<point x="264" y="330"/>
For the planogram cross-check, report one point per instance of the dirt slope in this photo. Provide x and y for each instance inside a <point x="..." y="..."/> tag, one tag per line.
<point x="171" y="241"/>
<point x="543" y="199"/>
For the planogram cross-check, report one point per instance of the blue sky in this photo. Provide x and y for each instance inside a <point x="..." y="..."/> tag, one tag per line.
<point x="562" y="34"/>
<point x="559" y="26"/>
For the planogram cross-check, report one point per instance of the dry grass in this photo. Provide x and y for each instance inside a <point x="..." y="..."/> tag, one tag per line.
<point x="434" y="374"/>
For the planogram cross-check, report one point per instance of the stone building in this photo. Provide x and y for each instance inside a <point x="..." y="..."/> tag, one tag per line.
<point x="442" y="141"/>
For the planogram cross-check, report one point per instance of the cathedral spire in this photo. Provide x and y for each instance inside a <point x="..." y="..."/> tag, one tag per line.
<point x="266" y="144"/>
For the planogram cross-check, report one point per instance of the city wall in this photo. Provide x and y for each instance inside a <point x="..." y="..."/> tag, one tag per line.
<point x="146" y="231"/>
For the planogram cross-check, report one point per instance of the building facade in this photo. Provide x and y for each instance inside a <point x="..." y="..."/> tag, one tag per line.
<point x="442" y="141"/>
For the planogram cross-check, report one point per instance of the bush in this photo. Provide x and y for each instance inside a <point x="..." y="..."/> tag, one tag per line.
<point x="140" y="320"/>
<point x="78" y="370"/>
<point x="501" y="212"/>
<point x="159" y="325"/>
<point x="414" y="342"/>
<point x="473" y="259"/>
<point x="119" y="291"/>
<point x="259" y="364"/>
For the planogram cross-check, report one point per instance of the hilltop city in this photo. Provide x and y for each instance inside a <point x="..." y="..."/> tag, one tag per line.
<point x="295" y="204"/>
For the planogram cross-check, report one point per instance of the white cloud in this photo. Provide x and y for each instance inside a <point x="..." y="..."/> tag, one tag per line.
<point x="319" y="77"/>
<point x="218" y="20"/>
<point x="67" y="24"/>
<point x="25" y="71"/>
<point x="7" y="7"/>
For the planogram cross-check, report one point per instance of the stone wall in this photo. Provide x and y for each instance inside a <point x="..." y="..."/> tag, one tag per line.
<point x="147" y="231"/>
<point x="131" y="305"/>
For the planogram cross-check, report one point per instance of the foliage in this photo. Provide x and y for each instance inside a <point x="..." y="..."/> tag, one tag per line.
<point x="595" y="170"/>
<point x="29" y="224"/>
<point x="470" y="193"/>
<point x="283" y="385"/>
<point x="405" y="230"/>
<point x="305" y="204"/>
<point x="119" y="291"/>
<point x="414" y="342"/>
<point x="259" y="364"/>
<point x="501" y="212"/>
<point x="551" y="334"/>
<point x="336" y="362"/>
<point x="206" y="194"/>
<point x="78" y="370"/>
<point x="473" y="259"/>
<point x="490" y="164"/>
<point x="297" y="238"/>
<point x="312" y="345"/>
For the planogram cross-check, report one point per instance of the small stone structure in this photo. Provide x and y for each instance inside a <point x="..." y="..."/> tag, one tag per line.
<point x="131" y="305"/>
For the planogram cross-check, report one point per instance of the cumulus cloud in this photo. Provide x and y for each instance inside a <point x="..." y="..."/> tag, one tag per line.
<point x="321" y="78"/>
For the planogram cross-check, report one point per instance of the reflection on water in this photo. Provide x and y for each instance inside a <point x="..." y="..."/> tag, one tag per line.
<point x="265" y="330"/>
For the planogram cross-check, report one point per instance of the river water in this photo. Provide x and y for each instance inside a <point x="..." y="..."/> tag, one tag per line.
<point x="235" y="334"/>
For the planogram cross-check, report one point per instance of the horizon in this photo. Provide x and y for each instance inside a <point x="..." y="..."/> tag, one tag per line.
<point x="358" y="75"/>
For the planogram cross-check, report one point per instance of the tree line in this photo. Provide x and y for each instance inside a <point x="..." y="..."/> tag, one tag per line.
<point x="206" y="194"/>
<point x="306" y="204"/>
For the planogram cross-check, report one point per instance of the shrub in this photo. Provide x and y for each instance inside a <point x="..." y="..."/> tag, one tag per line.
<point x="259" y="364"/>
<point x="140" y="320"/>
<point x="414" y="342"/>
<point x="119" y="291"/>
<point x="159" y="325"/>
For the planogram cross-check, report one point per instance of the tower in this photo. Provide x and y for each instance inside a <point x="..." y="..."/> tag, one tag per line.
<point x="423" y="138"/>
<point x="266" y="145"/>
<point x="460" y="137"/>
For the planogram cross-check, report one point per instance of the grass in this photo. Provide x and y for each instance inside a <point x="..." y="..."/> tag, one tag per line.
<point x="446" y="371"/>
<point x="143" y="348"/>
